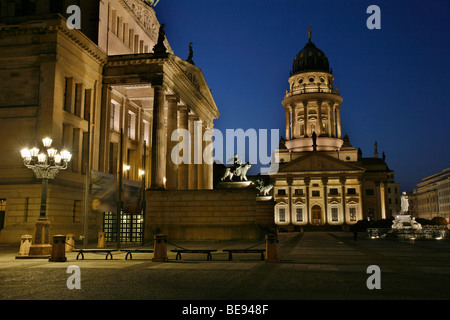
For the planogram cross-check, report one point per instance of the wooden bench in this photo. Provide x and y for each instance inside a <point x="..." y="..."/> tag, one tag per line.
<point x="83" y="251"/>
<point x="207" y="251"/>
<point x="231" y="251"/>
<point x="130" y="251"/>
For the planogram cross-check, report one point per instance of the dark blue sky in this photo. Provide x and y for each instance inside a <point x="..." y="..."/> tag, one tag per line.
<point x="394" y="81"/>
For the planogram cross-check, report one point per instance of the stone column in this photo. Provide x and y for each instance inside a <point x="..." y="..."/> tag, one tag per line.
<point x="330" y="107"/>
<point x="307" y="181"/>
<point x="305" y="118"/>
<point x="158" y="139"/>
<point x="333" y="122"/>
<point x="172" y="126"/>
<point x="288" y="123"/>
<point x="359" y="213"/>
<point x="198" y="152"/>
<point x="295" y="122"/>
<point x="319" y="117"/>
<point x="325" y="199"/>
<point x="208" y="157"/>
<point x="338" y="121"/>
<point x="383" y="202"/>
<point x="183" y="172"/>
<point x="342" y="180"/>
<point x="192" y="167"/>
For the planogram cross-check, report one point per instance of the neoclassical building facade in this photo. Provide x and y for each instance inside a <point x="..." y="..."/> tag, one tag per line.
<point x="322" y="179"/>
<point x="112" y="93"/>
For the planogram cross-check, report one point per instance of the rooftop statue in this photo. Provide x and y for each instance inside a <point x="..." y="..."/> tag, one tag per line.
<point x="404" y="203"/>
<point x="159" y="46"/>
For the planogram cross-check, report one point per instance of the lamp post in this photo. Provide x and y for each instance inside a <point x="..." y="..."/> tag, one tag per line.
<point x="45" y="166"/>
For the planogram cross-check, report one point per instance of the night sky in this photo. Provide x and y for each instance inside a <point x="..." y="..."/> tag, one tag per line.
<point x="394" y="80"/>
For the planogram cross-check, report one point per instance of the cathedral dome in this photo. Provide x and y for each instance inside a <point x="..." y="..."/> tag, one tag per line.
<point x="310" y="58"/>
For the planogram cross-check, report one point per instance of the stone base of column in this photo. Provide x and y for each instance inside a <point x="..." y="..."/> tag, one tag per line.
<point x="41" y="248"/>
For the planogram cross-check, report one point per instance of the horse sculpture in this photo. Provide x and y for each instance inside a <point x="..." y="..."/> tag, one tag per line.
<point x="240" y="171"/>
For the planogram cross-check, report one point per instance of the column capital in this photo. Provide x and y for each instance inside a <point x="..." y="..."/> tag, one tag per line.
<point x="173" y="98"/>
<point x="183" y="107"/>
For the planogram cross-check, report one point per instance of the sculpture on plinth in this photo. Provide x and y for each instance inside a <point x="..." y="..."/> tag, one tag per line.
<point x="404" y="220"/>
<point x="237" y="170"/>
<point x="264" y="189"/>
<point x="159" y="46"/>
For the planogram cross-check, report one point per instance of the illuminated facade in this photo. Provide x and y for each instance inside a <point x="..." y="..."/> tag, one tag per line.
<point x="112" y="93"/>
<point x="322" y="179"/>
<point x="431" y="198"/>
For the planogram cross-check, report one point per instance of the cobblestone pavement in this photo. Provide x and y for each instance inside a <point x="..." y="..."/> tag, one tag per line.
<point x="313" y="266"/>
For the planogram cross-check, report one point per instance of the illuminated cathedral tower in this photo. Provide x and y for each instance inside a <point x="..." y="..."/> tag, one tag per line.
<point x="321" y="178"/>
<point x="312" y="105"/>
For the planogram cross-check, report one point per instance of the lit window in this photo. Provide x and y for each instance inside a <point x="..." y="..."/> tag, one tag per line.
<point x="299" y="214"/>
<point x="334" y="214"/>
<point x="282" y="214"/>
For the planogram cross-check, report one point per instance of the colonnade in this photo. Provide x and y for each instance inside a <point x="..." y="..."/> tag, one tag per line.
<point x="302" y="118"/>
<point x="197" y="171"/>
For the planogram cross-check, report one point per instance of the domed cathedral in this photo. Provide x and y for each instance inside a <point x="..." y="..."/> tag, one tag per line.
<point x="321" y="178"/>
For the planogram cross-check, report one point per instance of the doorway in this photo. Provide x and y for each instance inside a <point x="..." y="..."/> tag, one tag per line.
<point x="316" y="215"/>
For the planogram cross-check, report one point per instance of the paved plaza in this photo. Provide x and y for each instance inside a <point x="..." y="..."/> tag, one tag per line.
<point x="313" y="266"/>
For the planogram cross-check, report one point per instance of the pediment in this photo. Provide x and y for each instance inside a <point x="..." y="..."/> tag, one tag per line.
<point x="318" y="162"/>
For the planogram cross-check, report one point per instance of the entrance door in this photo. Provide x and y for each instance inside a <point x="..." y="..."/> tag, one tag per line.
<point x="316" y="214"/>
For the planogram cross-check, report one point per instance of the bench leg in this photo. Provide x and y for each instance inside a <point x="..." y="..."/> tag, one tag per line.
<point x="82" y="255"/>
<point x="230" y="256"/>
<point x="209" y="257"/>
<point x="262" y="256"/>
<point x="108" y="254"/>
<point x="178" y="256"/>
<point x="128" y="254"/>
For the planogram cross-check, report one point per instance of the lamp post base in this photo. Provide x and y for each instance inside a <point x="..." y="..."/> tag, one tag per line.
<point x="41" y="247"/>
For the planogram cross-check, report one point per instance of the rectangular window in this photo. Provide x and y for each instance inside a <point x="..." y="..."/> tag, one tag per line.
<point x="281" y="192"/>
<point x="2" y="213"/>
<point x="298" y="192"/>
<point x="334" y="214"/>
<point x="334" y="191"/>
<point x="68" y="95"/>
<point x="131" y="125"/>
<point x="87" y="104"/>
<point x="282" y="214"/>
<point x="299" y="214"/>
<point x="316" y="193"/>
<point x="351" y="191"/>
<point x="352" y="214"/>
<point x="76" y="215"/>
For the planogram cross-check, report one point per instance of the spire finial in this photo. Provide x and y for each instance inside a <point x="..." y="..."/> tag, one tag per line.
<point x="309" y="32"/>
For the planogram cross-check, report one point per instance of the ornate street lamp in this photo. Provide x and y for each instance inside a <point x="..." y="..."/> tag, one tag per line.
<point x="45" y="166"/>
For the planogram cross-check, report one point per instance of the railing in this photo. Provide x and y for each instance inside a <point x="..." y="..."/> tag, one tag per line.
<point x="424" y="233"/>
<point x="304" y="90"/>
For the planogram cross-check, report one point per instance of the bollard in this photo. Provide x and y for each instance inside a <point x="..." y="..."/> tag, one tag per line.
<point x="59" y="249"/>
<point x="101" y="240"/>
<point x="70" y="242"/>
<point x="160" y="248"/>
<point x="272" y="248"/>
<point x="25" y="244"/>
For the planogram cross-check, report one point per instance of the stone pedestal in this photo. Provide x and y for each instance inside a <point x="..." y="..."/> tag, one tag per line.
<point x="70" y="242"/>
<point x="41" y="247"/>
<point x="25" y="244"/>
<point x="59" y="249"/>
<point x="101" y="240"/>
<point x="160" y="248"/>
<point x="272" y="248"/>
